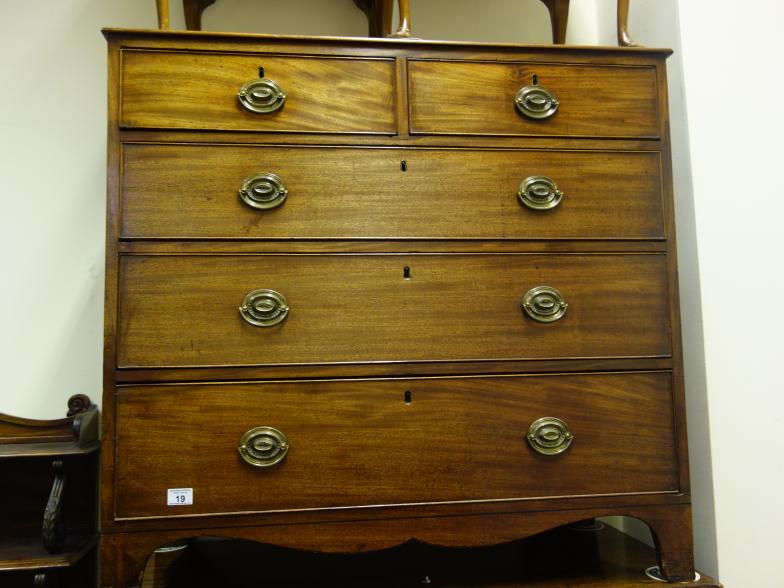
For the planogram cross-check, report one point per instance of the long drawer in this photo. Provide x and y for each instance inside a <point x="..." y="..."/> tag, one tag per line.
<point x="374" y="442"/>
<point x="200" y="310"/>
<point x="478" y="98"/>
<point x="172" y="90"/>
<point x="193" y="191"/>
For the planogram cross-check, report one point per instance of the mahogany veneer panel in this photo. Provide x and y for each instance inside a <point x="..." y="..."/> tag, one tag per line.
<point x="359" y="443"/>
<point x="199" y="91"/>
<point x="477" y="98"/>
<point x="191" y="191"/>
<point x="183" y="310"/>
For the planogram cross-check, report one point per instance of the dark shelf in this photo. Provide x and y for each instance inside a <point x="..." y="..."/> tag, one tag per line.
<point x="46" y="449"/>
<point x="28" y="553"/>
<point x="48" y="498"/>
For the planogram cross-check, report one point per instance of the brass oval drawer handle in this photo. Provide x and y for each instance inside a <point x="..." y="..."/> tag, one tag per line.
<point x="263" y="191"/>
<point x="536" y="101"/>
<point x="263" y="447"/>
<point x="544" y="304"/>
<point x="539" y="193"/>
<point x="261" y="95"/>
<point x="549" y="436"/>
<point x="264" y="308"/>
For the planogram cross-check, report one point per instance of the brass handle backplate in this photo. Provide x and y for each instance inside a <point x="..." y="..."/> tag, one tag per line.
<point x="263" y="191"/>
<point x="263" y="447"/>
<point x="539" y="193"/>
<point x="549" y="436"/>
<point x="536" y="101"/>
<point x="264" y="308"/>
<point x="261" y="95"/>
<point x="544" y="304"/>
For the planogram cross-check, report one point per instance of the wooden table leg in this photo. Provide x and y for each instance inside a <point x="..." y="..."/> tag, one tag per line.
<point x="559" y="17"/>
<point x="379" y="15"/>
<point x="404" y="29"/>
<point x="624" y="40"/>
<point x="163" y="13"/>
<point x="193" y="10"/>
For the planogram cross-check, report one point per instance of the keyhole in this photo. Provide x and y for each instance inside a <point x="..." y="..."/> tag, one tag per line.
<point x="403" y="165"/>
<point x="407" y="397"/>
<point x="535" y="80"/>
<point x="406" y="273"/>
<point x="261" y="72"/>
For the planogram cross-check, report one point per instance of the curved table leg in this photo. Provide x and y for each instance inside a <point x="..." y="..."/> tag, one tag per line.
<point x="163" y="13"/>
<point x="404" y="29"/>
<point x="559" y="17"/>
<point x="379" y="15"/>
<point x="193" y="10"/>
<point x="624" y="40"/>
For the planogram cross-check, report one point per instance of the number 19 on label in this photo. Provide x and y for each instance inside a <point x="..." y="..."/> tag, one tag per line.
<point x="179" y="497"/>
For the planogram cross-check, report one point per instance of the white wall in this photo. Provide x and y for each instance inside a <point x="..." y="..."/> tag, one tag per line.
<point x="725" y="97"/>
<point x="734" y="93"/>
<point x="52" y="166"/>
<point x="655" y="24"/>
<point x="52" y="163"/>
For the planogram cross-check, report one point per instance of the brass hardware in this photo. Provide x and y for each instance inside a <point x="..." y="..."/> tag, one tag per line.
<point x="539" y="193"/>
<point x="264" y="308"/>
<point x="263" y="191"/>
<point x="261" y="95"/>
<point x="263" y="447"/>
<point x="549" y="436"/>
<point x="536" y="101"/>
<point x="544" y="304"/>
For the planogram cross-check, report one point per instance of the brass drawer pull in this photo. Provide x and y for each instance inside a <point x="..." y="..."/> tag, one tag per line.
<point x="549" y="436"/>
<point x="264" y="308"/>
<point x="263" y="191"/>
<point x="536" y="101"/>
<point x="539" y="193"/>
<point x="261" y="95"/>
<point x="544" y="304"/>
<point x="263" y="447"/>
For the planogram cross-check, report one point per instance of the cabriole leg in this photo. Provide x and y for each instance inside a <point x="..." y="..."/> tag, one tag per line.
<point x="559" y="18"/>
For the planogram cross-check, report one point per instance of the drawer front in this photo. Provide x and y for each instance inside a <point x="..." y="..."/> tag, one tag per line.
<point x="184" y="310"/>
<point x="192" y="191"/>
<point x="199" y="91"/>
<point x="388" y="442"/>
<point x="474" y="98"/>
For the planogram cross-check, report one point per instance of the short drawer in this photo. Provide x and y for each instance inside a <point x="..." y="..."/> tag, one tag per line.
<point x="478" y="98"/>
<point x="184" y="310"/>
<point x="392" y="442"/>
<point x="193" y="192"/>
<point x="200" y="91"/>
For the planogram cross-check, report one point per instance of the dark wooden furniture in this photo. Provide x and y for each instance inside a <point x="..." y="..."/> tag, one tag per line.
<point x="48" y="499"/>
<point x="561" y="558"/>
<point x="430" y="287"/>
<point x="379" y="15"/>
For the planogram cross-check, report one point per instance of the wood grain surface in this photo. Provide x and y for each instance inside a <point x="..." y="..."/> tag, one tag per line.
<point x="185" y="191"/>
<point x="183" y="310"/>
<point x="477" y="98"/>
<point x="199" y="91"/>
<point x="182" y="251"/>
<point x="377" y="442"/>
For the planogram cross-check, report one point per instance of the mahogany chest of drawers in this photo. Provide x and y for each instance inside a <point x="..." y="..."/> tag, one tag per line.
<point x="360" y="292"/>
